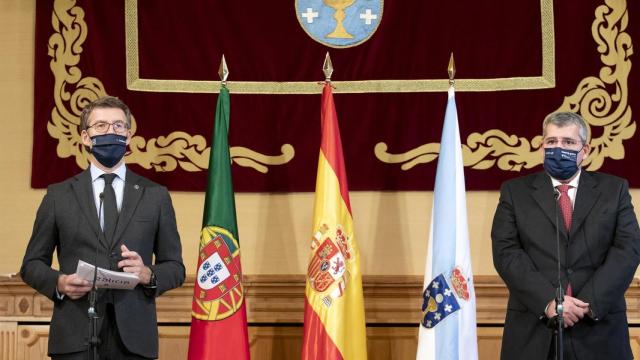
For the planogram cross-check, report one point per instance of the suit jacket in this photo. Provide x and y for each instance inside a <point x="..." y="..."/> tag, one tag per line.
<point x="67" y="222"/>
<point x="599" y="257"/>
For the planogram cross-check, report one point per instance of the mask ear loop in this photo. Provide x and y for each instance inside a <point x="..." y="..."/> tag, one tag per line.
<point x="585" y="155"/>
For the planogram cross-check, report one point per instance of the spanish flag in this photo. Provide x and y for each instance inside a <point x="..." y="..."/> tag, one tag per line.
<point x="219" y="315"/>
<point x="334" y="324"/>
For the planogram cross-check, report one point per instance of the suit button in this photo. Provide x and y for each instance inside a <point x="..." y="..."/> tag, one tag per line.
<point x="569" y="271"/>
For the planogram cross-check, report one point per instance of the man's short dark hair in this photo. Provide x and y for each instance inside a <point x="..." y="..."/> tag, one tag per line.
<point x="105" y="102"/>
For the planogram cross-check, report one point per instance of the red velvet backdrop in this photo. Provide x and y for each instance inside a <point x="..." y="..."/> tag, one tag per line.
<point x="263" y="41"/>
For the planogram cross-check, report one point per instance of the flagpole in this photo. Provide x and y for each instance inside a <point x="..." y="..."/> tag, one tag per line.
<point x="451" y="69"/>
<point x="334" y="320"/>
<point x="223" y="72"/>
<point x="219" y="317"/>
<point x="448" y="326"/>
<point x="327" y="68"/>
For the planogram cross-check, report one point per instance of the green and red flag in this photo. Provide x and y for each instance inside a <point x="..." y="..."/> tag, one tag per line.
<point x="219" y="316"/>
<point x="334" y="323"/>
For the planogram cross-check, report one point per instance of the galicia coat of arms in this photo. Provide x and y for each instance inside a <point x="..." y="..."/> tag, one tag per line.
<point x="218" y="292"/>
<point x="339" y="23"/>
<point x="443" y="296"/>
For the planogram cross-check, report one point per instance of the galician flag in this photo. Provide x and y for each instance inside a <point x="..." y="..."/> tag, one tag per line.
<point x="448" y="324"/>
<point x="219" y="317"/>
<point x="334" y="325"/>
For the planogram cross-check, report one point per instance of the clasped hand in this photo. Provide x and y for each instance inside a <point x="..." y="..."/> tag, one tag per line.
<point x="574" y="309"/>
<point x="75" y="287"/>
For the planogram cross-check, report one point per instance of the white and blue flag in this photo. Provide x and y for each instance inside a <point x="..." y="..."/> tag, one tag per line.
<point x="448" y="325"/>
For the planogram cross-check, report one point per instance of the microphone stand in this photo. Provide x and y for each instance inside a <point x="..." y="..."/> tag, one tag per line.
<point x="94" y="340"/>
<point x="559" y="291"/>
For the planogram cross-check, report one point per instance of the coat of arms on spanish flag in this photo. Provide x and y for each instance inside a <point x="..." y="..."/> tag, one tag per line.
<point x="334" y="323"/>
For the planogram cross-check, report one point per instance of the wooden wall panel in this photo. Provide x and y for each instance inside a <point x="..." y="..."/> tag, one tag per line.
<point x="269" y="342"/>
<point x="174" y="342"/>
<point x="392" y="342"/>
<point x="275" y="309"/>
<point x="8" y="340"/>
<point x="32" y="342"/>
<point x="266" y="342"/>
<point x="285" y="343"/>
<point x="634" y="335"/>
<point x="489" y="341"/>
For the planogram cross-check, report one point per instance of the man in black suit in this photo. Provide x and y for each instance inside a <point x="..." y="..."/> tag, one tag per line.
<point x="599" y="251"/>
<point x="136" y="233"/>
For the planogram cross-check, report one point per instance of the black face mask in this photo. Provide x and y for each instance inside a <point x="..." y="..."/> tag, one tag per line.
<point x="561" y="163"/>
<point x="108" y="149"/>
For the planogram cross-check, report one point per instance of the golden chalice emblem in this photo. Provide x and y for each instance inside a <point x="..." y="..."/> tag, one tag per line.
<point x="339" y="5"/>
<point x="431" y="305"/>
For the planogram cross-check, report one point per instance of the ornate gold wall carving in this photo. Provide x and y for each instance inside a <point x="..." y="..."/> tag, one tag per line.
<point x="72" y="92"/>
<point x="601" y="100"/>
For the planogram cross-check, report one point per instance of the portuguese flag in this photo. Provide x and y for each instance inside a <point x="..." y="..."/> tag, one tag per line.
<point x="334" y="324"/>
<point x="219" y="316"/>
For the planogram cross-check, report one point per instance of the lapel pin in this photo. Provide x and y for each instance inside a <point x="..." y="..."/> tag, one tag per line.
<point x="136" y="186"/>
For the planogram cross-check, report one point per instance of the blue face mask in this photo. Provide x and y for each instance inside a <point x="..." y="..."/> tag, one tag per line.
<point x="108" y="149"/>
<point x="561" y="163"/>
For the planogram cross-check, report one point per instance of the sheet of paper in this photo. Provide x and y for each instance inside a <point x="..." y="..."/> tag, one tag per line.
<point x="107" y="279"/>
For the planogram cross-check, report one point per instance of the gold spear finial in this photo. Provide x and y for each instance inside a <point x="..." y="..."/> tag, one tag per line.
<point x="327" y="68"/>
<point x="223" y="71"/>
<point x="452" y="70"/>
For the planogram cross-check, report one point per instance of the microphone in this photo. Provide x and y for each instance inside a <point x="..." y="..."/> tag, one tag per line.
<point x="94" y="341"/>
<point x="559" y="291"/>
<point x="92" y="296"/>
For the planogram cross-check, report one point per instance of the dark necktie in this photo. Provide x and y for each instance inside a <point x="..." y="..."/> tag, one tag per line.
<point x="110" y="207"/>
<point x="567" y="213"/>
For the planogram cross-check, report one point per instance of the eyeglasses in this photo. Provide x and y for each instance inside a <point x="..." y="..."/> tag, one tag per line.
<point x="101" y="127"/>
<point x="564" y="142"/>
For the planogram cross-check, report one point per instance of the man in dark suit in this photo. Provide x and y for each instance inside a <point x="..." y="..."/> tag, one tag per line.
<point x="599" y="251"/>
<point x="136" y="233"/>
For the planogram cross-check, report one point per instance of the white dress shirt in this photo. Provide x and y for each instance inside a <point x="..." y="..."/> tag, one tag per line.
<point x="573" y="187"/>
<point x="98" y="187"/>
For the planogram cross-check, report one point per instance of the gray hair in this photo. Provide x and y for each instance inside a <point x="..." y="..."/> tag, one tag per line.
<point x="562" y="119"/>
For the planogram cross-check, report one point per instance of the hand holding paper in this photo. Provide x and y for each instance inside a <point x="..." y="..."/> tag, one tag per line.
<point x="73" y="286"/>
<point x="107" y="279"/>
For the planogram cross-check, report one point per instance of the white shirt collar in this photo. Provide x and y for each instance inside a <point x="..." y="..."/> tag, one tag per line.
<point x="573" y="183"/>
<point x="120" y="171"/>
